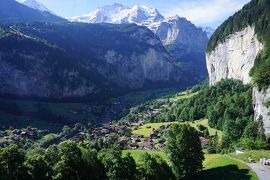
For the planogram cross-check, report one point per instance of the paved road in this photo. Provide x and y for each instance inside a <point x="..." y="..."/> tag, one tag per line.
<point x="262" y="171"/>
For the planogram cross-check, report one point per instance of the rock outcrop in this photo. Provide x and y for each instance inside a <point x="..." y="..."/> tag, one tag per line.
<point x="261" y="101"/>
<point x="233" y="59"/>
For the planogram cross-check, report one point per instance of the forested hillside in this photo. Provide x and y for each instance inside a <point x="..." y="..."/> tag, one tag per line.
<point x="227" y="105"/>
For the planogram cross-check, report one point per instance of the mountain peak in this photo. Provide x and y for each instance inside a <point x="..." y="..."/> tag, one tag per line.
<point x="36" y="5"/>
<point x="13" y="11"/>
<point x="117" y="5"/>
<point x="118" y="13"/>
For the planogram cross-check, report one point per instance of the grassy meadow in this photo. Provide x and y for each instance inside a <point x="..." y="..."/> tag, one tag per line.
<point x="143" y="130"/>
<point x="254" y="154"/>
<point x="216" y="166"/>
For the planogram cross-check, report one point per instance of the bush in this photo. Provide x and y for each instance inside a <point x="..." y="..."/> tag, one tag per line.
<point x="211" y="150"/>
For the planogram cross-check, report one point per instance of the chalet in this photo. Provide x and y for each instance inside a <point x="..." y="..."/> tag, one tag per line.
<point x="16" y="132"/>
<point x="147" y="145"/>
<point x="123" y="140"/>
<point x="204" y="142"/>
<point x="162" y="141"/>
<point x="133" y="146"/>
<point x="63" y="138"/>
<point x="135" y="140"/>
<point x="137" y="136"/>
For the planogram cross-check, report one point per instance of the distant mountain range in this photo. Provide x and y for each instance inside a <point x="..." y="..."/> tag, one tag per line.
<point x="209" y="30"/>
<point x="13" y="12"/>
<point x="41" y="58"/>
<point x="118" y="14"/>
<point x="44" y="55"/>
<point x="183" y="40"/>
<point x="37" y="5"/>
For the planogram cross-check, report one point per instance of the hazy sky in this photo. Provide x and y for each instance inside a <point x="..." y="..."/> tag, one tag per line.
<point x="200" y="12"/>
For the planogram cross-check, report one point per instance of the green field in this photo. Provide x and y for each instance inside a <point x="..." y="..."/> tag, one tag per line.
<point x="216" y="166"/>
<point x="183" y="95"/>
<point x="143" y="130"/>
<point x="220" y="167"/>
<point x="255" y="155"/>
<point x="137" y="153"/>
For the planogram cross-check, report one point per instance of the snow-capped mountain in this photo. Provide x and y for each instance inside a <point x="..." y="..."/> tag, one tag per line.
<point x="118" y="14"/>
<point x="37" y="5"/>
<point x="185" y="42"/>
<point x="209" y="30"/>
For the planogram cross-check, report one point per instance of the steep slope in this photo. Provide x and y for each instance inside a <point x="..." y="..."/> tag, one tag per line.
<point x="36" y="5"/>
<point x="12" y="11"/>
<point x="239" y="49"/>
<point x="209" y="30"/>
<point x="184" y="41"/>
<point x="74" y="60"/>
<point x="234" y="57"/>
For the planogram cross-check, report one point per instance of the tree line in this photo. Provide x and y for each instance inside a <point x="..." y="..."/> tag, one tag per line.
<point x="72" y="161"/>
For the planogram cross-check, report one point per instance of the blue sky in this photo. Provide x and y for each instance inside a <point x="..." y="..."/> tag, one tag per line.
<point x="200" y="12"/>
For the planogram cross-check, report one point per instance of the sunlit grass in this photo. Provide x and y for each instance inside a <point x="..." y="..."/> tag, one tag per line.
<point x="143" y="130"/>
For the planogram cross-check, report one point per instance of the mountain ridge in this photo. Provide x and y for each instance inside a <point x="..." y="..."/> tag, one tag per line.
<point x="56" y="63"/>
<point x="182" y="39"/>
<point x="15" y="12"/>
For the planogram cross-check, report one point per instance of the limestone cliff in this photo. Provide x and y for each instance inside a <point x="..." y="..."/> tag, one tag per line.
<point x="233" y="59"/>
<point x="261" y="102"/>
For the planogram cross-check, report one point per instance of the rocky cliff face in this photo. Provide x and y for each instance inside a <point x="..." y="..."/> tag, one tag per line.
<point x="74" y="60"/>
<point x="261" y="101"/>
<point x="177" y="30"/>
<point x="186" y="43"/>
<point x="234" y="58"/>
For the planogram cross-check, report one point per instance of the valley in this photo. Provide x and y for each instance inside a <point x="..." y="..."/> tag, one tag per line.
<point x="134" y="92"/>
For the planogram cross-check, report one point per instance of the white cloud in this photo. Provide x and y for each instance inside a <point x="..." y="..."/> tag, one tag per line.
<point x="205" y="11"/>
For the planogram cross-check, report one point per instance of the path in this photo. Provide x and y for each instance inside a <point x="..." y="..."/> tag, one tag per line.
<point x="262" y="171"/>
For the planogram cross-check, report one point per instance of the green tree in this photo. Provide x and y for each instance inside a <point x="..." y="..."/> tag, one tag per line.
<point x="184" y="150"/>
<point x="12" y="163"/>
<point x="38" y="167"/>
<point x="184" y="115"/>
<point x="69" y="165"/>
<point x="130" y="167"/>
<point x="153" y="168"/>
<point x="92" y="166"/>
<point x="251" y="130"/>
<point x="66" y="130"/>
<point x="116" y="166"/>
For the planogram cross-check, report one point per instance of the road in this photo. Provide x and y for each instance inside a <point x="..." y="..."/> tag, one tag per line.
<point x="262" y="171"/>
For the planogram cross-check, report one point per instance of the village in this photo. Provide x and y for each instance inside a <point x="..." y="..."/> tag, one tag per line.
<point x="133" y="141"/>
<point x="124" y="130"/>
